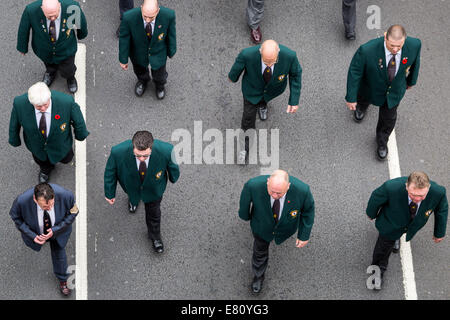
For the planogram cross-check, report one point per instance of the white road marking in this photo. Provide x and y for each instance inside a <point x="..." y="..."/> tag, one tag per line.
<point x="409" y="282"/>
<point x="81" y="283"/>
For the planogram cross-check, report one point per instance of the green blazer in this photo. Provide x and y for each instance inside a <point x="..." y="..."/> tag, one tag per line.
<point x="297" y="214"/>
<point x="133" y="41"/>
<point x="121" y="166"/>
<point x="389" y="206"/>
<point x="66" y="46"/>
<point x="253" y="86"/>
<point x="65" y="113"/>
<point x="368" y="74"/>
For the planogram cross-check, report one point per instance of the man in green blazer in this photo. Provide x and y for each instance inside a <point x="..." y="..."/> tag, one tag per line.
<point x="148" y="36"/>
<point x="380" y="73"/>
<point x="266" y="68"/>
<point x="142" y="167"/>
<point x="46" y="118"/>
<point x="54" y="36"/>
<point x="403" y="205"/>
<point x="277" y="207"/>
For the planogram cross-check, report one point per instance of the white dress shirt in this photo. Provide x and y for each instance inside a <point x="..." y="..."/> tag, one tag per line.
<point x="272" y="200"/>
<point x="418" y="203"/>
<point x="138" y="162"/>
<point x="48" y="116"/>
<point x="40" y="214"/>
<point x="152" y="25"/>
<point x="57" y="25"/>
<point x="389" y="55"/>
<point x="263" y="67"/>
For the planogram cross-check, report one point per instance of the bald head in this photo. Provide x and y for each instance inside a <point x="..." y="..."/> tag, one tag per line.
<point x="150" y="9"/>
<point x="51" y="9"/>
<point x="396" y="32"/>
<point x="269" y="52"/>
<point x="278" y="184"/>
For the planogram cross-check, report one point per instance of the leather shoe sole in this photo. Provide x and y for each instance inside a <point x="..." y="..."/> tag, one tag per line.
<point x="65" y="291"/>
<point x="139" y="89"/>
<point x="382" y="153"/>
<point x="43" y="177"/>
<point x="256" y="35"/>
<point x="262" y="112"/>
<point x="131" y="208"/>
<point x="358" y="116"/>
<point x="257" y="284"/>
<point x="396" y="248"/>
<point x="72" y="85"/>
<point x="158" y="246"/>
<point x="48" y="79"/>
<point x="160" y="94"/>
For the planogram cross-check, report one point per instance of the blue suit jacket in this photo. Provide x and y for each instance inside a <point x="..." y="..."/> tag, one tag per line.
<point x="24" y="215"/>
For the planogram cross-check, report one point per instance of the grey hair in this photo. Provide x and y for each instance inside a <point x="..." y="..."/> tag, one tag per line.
<point x="39" y="94"/>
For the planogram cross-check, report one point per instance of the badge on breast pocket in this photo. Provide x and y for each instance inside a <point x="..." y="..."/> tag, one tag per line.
<point x="63" y="127"/>
<point x="428" y="213"/>
<point x="407" y="71"/>
<point x="161" y="36"/>
<point x="158" y="175"/>
<point x="294" y="213"/>
<point x="281" y="78"/>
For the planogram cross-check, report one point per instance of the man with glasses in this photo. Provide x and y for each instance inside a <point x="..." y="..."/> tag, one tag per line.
<point x="142" y="167"/>
<point x="266" y="68"/>
<point x="148" y="36"/>
<point x="54" y="38"/>
<point x="47" y="118"/>
<point x="403" y="205"/>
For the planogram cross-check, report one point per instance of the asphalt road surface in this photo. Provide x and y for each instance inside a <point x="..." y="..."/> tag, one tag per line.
<point x="208" y="248"/>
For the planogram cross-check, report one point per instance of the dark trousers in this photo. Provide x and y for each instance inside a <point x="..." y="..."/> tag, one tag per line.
<point x="249" y="120"/>
<point x="260" y="256"/>
<point x="159" y="76"/>
<point x="349" y="15"/>
<point x="47" y="167"/>
<point x="59" y="260"/>
<point x="66" y="68"/>
<point x="386" y="120"/>
<point x="382" y="251"/>
<point x="125" y="5"/>
<point x="153" y="219"/>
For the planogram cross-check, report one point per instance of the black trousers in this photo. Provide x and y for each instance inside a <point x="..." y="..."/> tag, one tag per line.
<point x="382" y="251"/>
<point x="125" y="5"/>
<point x="349" y="14"/>
<point x="59" y="261"/>
<point x="153" y="219"/>
<point x="260" y="258"/>
<point x="159" y="75"/>
<point x="386" y="120"/>
<point x="47" y="167"/>
<point x="67" y="68"/>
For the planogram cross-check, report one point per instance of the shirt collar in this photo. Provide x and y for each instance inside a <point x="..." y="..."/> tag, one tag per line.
<point x="389" y="54"/>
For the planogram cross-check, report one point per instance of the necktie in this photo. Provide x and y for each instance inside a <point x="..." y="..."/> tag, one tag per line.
<point x="142" y="170"/>
<point x="52" y="31"/>
<point x="148" y="30"/>
<point x="391" y="68"/>
<point x="412" y="210"/>
<point x="43" y="125"/>
<point x="267" y="75"/>
<point x="276" y="210"/>
<point x="47" y="222"/>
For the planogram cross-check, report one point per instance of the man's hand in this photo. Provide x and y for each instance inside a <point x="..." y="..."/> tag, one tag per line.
<point x="111" y="201"/>
<point x="22" y="53"/>
<point x="351" y="105"/>
<point x="48" y="235"/>
<point x="39" y="239"/>
<point x="437" y="240"/>
<point x="300" y="243"/>
<point x="408" y="87"/>
<point x="292" y="109"/>
<point x="124" y="66"/>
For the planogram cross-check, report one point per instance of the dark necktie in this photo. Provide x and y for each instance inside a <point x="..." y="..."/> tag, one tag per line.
<point x="276" y="210"/>
<point x="52" y="31"/>
<point x="267" y="75"/>
<point x="43" y="125"/>
<point x="47" y="222"/>
<point x="412" y="210"/>
<point x="142" y="170"/>
<point x="391" y="68"/>
<point x="148" y="31"/>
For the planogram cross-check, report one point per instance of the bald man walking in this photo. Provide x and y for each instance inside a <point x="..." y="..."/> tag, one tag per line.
<point x="54" y="37"/>
<point x="277" y="206"/>
<point x="148" y="36"/>
<point x="266" y="70"/>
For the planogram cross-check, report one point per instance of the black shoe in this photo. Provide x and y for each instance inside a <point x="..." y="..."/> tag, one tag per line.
<point x="158" y="246"/>
<point x="131" y="207"/>
<point x="160" y="94"/>
<point x="118" y="32"/>
<point x="72" y="85"/>
<point x="140" y="87"/>
<point x="382" y="152"/>
<point x="350" y="35"/>
<point x="262" y="112"/>
<point x="396" y="246"/>
<point x="48" y="79"/>
<point x="358" y="115"/>
<point x="43" y="177"/>
<point x="257" y="284"/>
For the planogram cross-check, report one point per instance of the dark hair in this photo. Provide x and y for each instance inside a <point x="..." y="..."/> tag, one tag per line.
<point x="44" y="190"/>
<point x="396" y="30"/>
<point x="142" y="140"/>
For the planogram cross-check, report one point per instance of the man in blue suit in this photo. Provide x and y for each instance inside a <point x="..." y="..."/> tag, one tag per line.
<point x="43" y="214"/>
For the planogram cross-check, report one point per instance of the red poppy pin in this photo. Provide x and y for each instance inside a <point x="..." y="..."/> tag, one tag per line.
<point x="289" y="201"/>
<point x="57" y="117"/>
<point x="405" y="60"/>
